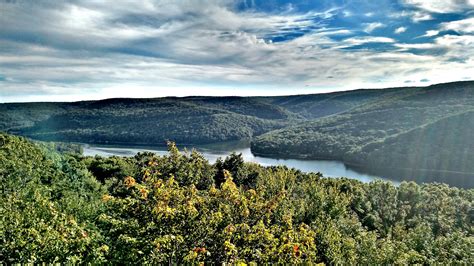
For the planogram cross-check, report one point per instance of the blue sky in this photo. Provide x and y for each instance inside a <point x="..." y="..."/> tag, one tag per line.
<point x="84" y="49"/>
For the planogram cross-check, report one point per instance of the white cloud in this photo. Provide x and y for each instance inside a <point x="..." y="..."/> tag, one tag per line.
<point x="368" y="39"/>
<point x="442" y="6"/>
<point x="415" y="45"/>
<point x="158" y="48"/>
<point x="335" y="32"/>
<point x="460" y="26"/>
<point x="400" y="30"/>
<point x="369" y="27"/>
<point x="346" y="13"/>
<point x="466" y="41"/>
<point x="464" y="26"/>
<point x="415" y="16"/>
<point x="431" y="33"/>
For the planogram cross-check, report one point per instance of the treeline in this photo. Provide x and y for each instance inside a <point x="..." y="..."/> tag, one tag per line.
<point x="66" y="208"/>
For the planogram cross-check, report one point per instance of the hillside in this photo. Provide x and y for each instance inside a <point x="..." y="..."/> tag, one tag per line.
<point x="350" y="135"/>
<point x="180" y="209"/>
<point x="446" y="144"/>
<point x="313" y="106"/>
<point x="189" y="120"/>
<point x="144" y="121"/>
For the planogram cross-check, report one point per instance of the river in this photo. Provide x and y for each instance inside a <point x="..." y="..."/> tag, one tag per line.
<point x="212" y="152"/>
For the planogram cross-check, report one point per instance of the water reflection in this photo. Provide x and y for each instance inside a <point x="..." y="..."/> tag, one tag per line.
<point x="221" y="150"/>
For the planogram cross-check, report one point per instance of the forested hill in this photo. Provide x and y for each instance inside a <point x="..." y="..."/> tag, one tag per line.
<point x="189" y="120"/>
<point x="359" y="127"/>
<point x="406" y="129"/>
<point x="145" y="121"/>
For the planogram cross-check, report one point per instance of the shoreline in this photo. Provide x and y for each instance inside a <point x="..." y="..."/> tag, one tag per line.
<point x="393" y="173"/>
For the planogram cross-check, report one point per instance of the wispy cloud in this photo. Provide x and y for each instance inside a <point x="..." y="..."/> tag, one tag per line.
<point x="443" y="6"/>
<point x="82" y="49"/>
<point x="414" y="15"/>
<point x="363" y="40"/>
<point x="407" y="46"/>
<point x="431" y="33"/>
<point x="460" y="26"/>
<point x="369" y="27"/>
<point x="400" y="30"/>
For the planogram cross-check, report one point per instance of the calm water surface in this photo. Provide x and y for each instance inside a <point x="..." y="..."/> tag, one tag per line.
<point x="213" y="152"/>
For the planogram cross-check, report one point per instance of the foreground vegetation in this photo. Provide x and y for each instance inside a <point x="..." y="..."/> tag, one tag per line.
<point x="62" y="207"/>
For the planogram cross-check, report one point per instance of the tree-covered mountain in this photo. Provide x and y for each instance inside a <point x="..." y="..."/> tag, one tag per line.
<point x="361" y="127"/>
<point x="411" y="128"/>
<point x="181" y="209"/>
<point x="188" y="120"/>
<point x="145" y="121"/>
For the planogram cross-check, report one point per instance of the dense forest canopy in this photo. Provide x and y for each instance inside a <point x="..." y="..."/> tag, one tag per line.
<point x="397" y="131"/>
<point x="57" y="206"/>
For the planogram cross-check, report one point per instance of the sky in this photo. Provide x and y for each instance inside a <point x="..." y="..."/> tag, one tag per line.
<point x="84" y="49"/>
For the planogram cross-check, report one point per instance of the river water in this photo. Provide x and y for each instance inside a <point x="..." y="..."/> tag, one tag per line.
<point x="212" y="152"/>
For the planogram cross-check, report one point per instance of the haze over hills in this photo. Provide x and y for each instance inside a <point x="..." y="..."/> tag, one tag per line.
<point x="405" y="128"/>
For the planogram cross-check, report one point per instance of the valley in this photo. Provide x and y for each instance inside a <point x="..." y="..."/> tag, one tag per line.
<point x="399" y="132"/>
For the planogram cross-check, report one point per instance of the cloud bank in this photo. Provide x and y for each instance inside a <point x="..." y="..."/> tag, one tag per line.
<point x="72" y="50"/>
